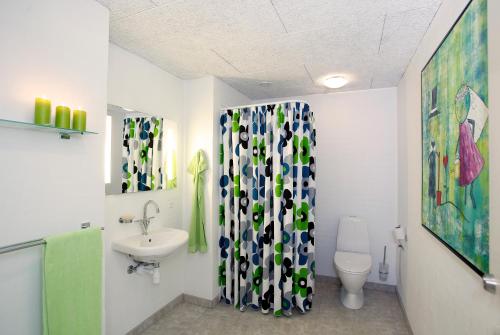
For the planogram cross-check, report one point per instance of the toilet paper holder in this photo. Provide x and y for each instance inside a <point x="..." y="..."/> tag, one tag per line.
<point x="399" y="236"/>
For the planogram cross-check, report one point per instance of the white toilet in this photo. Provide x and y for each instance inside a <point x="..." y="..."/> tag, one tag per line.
<point x="352" y="260"/>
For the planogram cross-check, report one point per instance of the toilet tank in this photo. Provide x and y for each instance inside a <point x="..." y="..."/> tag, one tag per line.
<point x="352" y="235"/>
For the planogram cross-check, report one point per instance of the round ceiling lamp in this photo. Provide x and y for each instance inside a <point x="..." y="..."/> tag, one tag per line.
<point x="335" y="82"/>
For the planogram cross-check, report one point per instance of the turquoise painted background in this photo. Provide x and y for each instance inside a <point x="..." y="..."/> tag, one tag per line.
<point x="461" y="217"/>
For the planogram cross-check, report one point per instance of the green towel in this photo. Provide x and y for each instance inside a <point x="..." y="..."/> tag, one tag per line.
<point x="197" y="240"/>
<point x="72" y="278"/>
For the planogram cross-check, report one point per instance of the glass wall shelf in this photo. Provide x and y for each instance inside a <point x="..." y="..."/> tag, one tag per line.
<point x="63" y="132"/>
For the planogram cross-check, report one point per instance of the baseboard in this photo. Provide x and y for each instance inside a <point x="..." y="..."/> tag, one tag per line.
<point x="368" y="285"/>
<point x="380" y="287"/>
<point x="201" y="301"/>
<point x="328" y="280"/>
<point x="404" y="312"/>
<point x="139" y="329"/>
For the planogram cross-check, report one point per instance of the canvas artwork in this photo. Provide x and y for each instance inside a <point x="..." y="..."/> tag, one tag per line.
<point x="455" y="159"/>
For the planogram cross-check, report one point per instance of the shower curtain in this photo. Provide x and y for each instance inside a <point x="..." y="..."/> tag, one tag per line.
<point x="267" y="201"/>
<point x="142" y="154"/>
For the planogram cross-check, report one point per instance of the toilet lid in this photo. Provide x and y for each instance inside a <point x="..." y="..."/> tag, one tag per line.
<point x="353" y="262"/>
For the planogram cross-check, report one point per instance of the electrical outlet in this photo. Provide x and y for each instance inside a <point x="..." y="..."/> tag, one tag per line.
<point x="170" y="204"/>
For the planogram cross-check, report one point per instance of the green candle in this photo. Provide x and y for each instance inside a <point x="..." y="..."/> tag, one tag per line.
<point x="63" y="116"/>
<point x="79" y="120"/>
<point x="42" y="111"/>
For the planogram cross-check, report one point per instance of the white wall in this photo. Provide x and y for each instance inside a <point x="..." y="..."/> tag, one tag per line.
<point x="356" y="150"/>
<point x="198" y="109"/>
<point x="49" y="185"/>
<point x="442" y="295"/>
<point x="356" y="161"/>
<point x="203" y="99"/>
<point x="135" y="83"/>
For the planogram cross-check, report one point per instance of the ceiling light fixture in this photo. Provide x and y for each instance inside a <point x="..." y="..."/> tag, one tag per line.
<point x="335" y="82"/>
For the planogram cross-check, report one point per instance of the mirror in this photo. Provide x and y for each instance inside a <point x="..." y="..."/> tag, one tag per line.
<point x="140" y="152"/>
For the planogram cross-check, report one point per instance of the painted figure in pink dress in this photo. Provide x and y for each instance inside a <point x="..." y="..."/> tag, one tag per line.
<point x="470" y="129"/>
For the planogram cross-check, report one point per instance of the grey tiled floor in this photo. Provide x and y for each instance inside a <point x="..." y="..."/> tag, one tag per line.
<point x="381" y="314"/>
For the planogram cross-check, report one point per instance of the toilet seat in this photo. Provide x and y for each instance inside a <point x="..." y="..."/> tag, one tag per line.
<point x="353" y="263"/>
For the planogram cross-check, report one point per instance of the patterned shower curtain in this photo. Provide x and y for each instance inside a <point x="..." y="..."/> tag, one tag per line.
<point x="266" y="213"/>
<point x="142" y="154"/>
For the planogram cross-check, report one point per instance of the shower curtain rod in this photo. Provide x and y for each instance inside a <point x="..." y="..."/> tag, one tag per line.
<point x="29" y="244"/>
<point x="223" y="108"/>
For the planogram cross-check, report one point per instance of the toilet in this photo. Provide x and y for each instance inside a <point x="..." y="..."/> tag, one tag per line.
<point x="352" y="260"/>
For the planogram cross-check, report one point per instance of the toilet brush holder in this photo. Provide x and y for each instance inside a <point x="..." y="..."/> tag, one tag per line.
<point x="383" y="268"/>
<point x="383" y="271"/>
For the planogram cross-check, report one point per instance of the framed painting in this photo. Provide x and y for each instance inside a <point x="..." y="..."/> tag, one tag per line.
<point x="455" y="154"/>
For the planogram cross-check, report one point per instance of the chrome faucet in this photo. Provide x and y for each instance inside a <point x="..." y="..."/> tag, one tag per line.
<point x="146" y="221"/>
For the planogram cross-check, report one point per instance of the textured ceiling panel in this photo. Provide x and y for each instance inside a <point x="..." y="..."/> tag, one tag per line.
<point x="224" y="21"/>
<point x="176" y="57"/>
<point x="387" y="80"/>
<point x="405" y="30"/>
<point x="398" y="6"/>
<point x="278" y="89"/>
<point x="295" y="49"/>
<point x="292" y="43"/>
<point x="303" y="15"/>
<point x="306" y="15"/>
<point x="285" y="81"/>
<point x="120" y="9"/>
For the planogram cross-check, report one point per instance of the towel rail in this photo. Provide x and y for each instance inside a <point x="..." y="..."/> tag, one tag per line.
<point x="32" y="243"/>
<point x="22" y="245"/>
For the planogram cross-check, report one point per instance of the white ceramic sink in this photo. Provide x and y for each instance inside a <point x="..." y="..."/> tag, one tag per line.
<point x="153" y="247"/>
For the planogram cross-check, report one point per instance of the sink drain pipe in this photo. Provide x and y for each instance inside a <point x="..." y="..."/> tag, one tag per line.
<point x="152" y="269"/>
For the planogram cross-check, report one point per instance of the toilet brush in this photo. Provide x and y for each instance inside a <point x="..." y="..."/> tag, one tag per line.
<point x="383" y="270"/>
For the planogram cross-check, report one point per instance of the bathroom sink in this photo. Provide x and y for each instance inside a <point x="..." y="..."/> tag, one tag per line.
<point x="151" y="248"/>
